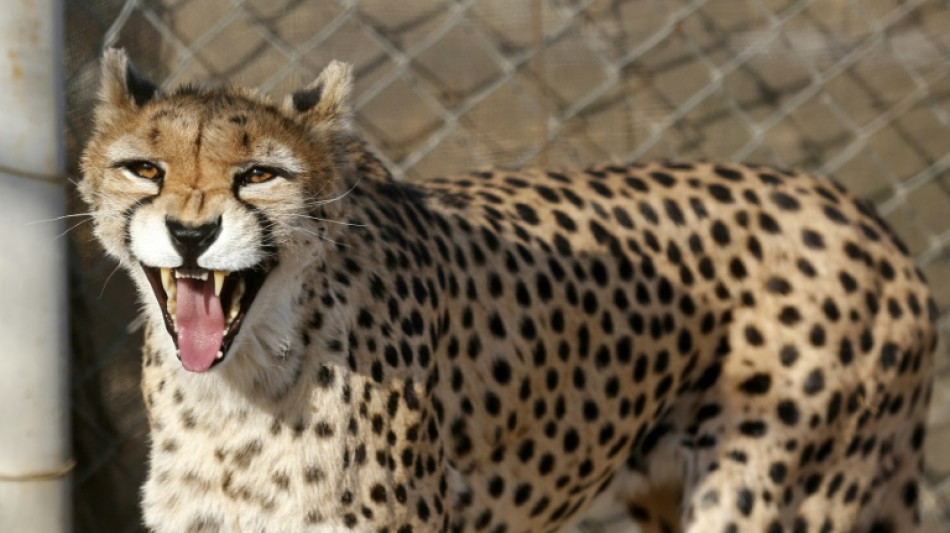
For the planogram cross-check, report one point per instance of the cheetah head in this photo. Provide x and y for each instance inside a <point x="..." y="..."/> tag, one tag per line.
<point x="203" y="193"/>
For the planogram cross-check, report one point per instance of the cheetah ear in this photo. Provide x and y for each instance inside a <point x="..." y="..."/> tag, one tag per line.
<point x="123" y="87"/>
<point x="325" y="103"/>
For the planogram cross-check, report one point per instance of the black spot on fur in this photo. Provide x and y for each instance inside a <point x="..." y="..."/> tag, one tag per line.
<point x="788" y="412"/>
<point x="745" y="500"/>
<point x="756" y="385"/>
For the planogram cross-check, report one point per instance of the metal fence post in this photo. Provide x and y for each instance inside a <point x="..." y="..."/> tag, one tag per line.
<point x="34" y="412"/>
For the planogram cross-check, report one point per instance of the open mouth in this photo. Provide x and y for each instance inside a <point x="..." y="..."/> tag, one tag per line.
<point x="204" y="309"/>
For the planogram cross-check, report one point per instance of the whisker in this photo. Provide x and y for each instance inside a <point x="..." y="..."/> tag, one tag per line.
<point x="74" y="226"/>
<point x="106" y="282"/>
<point x="322" y="237"/>
<point x="63" y="217"/>
<point x="340" y="197"/>
<point x="310" y="217"/>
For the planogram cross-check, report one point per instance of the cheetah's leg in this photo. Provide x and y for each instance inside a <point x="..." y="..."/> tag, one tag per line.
<point x="890" y="501"/>
<point x="724" y="492"/>
<point x="656" y="510"/>
<point x="767" y="474"/>
<point x="830" y="462"/>
<point x="730" y="492"/>
<point x="652" y="492"/>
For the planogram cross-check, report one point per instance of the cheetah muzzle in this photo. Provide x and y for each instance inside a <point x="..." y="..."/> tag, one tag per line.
<point x="203" y="309"/>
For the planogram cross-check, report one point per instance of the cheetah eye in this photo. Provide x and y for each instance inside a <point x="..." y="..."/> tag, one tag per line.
<point x="144" y="169"/>
<point x="258" y="174"/>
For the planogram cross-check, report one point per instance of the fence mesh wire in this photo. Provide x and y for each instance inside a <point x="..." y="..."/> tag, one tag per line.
<point x="851" y="88"/>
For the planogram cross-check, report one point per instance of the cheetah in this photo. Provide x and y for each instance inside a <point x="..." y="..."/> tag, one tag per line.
<point x="719" y="347"/>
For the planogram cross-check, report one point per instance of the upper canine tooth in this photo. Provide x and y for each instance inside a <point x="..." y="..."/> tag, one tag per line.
<point x="218" y="281"/>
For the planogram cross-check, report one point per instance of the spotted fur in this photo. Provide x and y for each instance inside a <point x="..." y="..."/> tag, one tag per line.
<point x="724" y="348"/>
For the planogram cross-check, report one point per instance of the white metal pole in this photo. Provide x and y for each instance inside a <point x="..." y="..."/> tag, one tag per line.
<point x="34" y="409"/>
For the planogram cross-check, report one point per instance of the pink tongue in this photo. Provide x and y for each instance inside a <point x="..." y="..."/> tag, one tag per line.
<point x="200" y="323"/>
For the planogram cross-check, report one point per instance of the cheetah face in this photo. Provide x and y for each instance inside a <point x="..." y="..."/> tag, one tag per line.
<point x="202" y="194"/>
<point x="205" y="265"/>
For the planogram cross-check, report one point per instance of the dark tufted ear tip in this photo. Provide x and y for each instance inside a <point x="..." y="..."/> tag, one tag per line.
<point x="305" y="99"/>
<point x="140" y="88"/>
<point x="122" y="83"/>
<point x="325" y="103"/>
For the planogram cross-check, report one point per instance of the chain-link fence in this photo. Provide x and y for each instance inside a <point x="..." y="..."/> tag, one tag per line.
<point x="855" y="88"/>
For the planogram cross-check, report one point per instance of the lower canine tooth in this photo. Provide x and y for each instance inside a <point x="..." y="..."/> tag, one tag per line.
<point x="171" y="289"/>
<point x="236" y="301"/>
<point x="167" y="279"/>
<point x="219" y="355"/>
<point x="239" y="291"/>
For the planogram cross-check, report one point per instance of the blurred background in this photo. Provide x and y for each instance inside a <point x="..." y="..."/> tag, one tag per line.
<point x="857" y="89"/>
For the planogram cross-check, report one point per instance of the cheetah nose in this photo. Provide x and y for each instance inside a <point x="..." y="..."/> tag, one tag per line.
<point x="192" y="241"/>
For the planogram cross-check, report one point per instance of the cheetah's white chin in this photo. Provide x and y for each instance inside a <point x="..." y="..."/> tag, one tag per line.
<point x="204" y="309"/>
